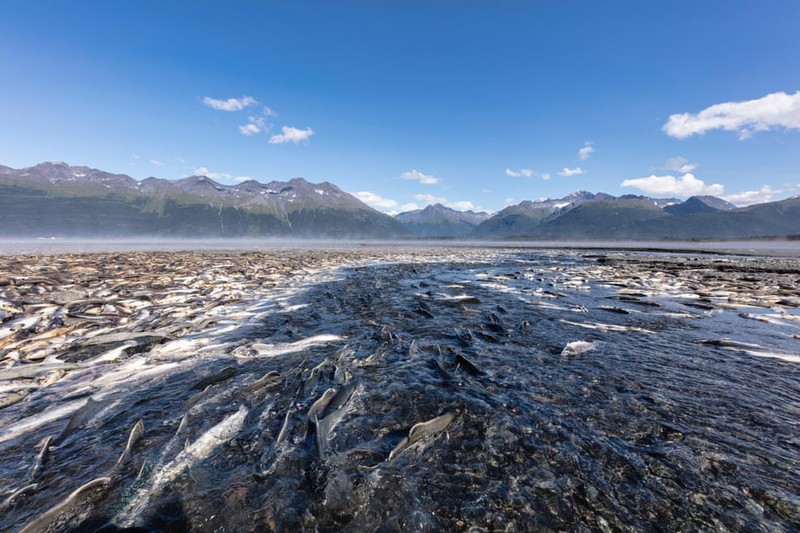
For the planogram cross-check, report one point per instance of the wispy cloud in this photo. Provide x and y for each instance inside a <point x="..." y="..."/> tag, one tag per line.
<point x="577" y="171"/>
<point x="416" y="175"/>
<point x="411" y="206"/>
<point x="430" y="199"/>
<point x="680" y="164"/>
<point x="774" y="110"/>
<point x="231" y="104"/>
<point x="375" y="200"/>
<point x="527" y="173"/>
<point x="291" y="135"/>
<point x="157" y="163"/>
<point x="686" y="185"/>
<point x="523" y="172"/>
<point x="255" y="125"/>
<point x="587" y="150"/>
<point x="464" y="205"/>
<point x="460" y="205"/>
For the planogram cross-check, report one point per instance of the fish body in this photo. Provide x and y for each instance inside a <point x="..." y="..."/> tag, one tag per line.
<point x="578" y="347"/>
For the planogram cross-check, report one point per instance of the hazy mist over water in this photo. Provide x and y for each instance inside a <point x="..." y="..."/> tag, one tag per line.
<point x="76" y="245"/>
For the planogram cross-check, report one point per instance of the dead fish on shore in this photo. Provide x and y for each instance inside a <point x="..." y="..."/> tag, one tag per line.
<point x="34" y="369"/>
<point x="423" y="430"/>
<point x="578" y="347"/>
<point x="13" y="398"/>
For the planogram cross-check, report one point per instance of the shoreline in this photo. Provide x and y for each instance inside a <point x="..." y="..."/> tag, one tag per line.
<point x="13" y="247"/>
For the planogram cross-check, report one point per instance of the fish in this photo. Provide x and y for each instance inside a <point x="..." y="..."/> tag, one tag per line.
<point x="267" y="380"/>
<point x="68" y="515"/>
<point x="752" y="349"/>
<point x="578" y="347"/>
<point x="33" y="370"/>
<point x="606" y="327"/>
<point x="466" y="364"/>
<point x="422" y="430"/>
<point x="80" y="417"/>
<point x="343" y="394"/>
<point x="41" y="459"/>
<point x="612" y="309"/>
<point x="136" y="434"/>
<point x="13" y="398"/>
<point x="198" y="450"/>
<point x="14" y="496"/>
<point x="224" y="374"/>
<point x="313" y="378"/>
<point x="318" y="407"/>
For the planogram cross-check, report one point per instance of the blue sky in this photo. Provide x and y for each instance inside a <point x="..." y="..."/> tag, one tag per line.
<point x="477" y="104"/>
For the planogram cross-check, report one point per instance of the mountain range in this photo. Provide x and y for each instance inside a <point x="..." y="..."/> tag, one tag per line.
<point x="61" y="200"/>
<point x="56" y="199"/>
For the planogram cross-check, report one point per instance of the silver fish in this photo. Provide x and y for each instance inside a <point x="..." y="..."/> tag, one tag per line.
<point x="68" y="514"/>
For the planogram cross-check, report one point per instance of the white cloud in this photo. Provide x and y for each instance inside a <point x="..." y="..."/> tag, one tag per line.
<point x="681" y="164"/>
<point x="231" y="104"/>
<point x="464" y="205"/>
<point x="204" y="171"/>
<point x="577" y="171"/>
<point x="291" y="135"/>
<point x="774" y="110"/>
<point x="429" y="199"/>
<point x="508" y="201"/>
<point x="424" y="179"/>
<point x="527" y="173"/>
<point x="686" y="185"/>
<point x="157" y="163"/>
<point x="255" y="125"/>
<point x="180" y="160"/>
<point x="411" y="206"/>
<point x="586" y="151"/>
<point x="135" y="156"/>
<point x="373" y="199"/>
<point x="523" y="172"/>
<point x="269" y="112"/>
<point x="764" y="194"/>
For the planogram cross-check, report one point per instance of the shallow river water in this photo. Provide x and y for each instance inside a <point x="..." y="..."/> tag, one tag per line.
<point x="485" y="390"/>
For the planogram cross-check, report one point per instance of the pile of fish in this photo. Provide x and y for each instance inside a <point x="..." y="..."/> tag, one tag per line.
<point x="411" y="389"/>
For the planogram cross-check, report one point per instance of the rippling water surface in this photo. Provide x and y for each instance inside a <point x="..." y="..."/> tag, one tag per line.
<point x="565" y="390"/>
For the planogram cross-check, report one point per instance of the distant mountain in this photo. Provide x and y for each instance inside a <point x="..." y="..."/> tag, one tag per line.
<point x="55" y="199"/>
<point x="438" y="221"/>
<point x="584" y="216"/>
<point x="699" y="204"/>
<point x="527" y="217"/>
